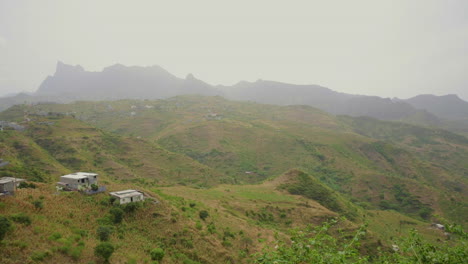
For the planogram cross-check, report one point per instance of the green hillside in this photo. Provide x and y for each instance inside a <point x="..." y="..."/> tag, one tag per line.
<point x="369" y="161"/>
<point x="257" y="171"/>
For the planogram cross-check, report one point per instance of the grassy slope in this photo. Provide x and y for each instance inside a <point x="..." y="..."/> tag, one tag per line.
<point x="246" y="216"/>
<point x="362" y="158"/>
<point x="76" y="217"/>
<point x="71" y="145"/>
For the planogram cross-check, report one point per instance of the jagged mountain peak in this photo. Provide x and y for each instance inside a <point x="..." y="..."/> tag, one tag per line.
<point x="63" y="68"/>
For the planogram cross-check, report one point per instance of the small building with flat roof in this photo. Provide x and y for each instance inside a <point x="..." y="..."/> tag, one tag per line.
<point x="128" y="196"/>
<point x="77" y="180"/>
<point x="8" y="184"/>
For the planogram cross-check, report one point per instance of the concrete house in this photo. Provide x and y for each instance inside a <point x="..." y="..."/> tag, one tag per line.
<point x="7" y="186"/>
<point x="128" y="196"/>
<point x="77" y="181"/>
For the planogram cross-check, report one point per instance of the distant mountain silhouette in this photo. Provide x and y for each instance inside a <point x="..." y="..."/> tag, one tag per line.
<point x="72" y="83"/>
<point x="447" y="106"/>
<point x="120" y="82"/>
<point x="320" y="97"/>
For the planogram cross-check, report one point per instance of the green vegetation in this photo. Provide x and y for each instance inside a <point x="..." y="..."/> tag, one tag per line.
<point x="220" y="189"/>
<point x="157" y="254"/>
<point x="319" y="245"/>
<point x="203" y="214"/>
<point x="313" y="189"/>
<point x="104" y="232"/>
<point x="5" y="226"/>
<point x="117" y="215"/>
<point x="104" y="250"/>
<point x="21" y="218"/>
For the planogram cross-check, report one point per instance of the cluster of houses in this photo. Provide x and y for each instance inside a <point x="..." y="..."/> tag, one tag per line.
<point x="78" y="181"/>
<point x="83" y="181"/>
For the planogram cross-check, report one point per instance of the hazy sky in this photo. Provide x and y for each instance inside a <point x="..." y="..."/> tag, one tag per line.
<point x="388" y="48"/>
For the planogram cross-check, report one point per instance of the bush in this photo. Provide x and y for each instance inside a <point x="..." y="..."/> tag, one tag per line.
<point x="104" y="232"/>
<point x="55" y="236"/>
<point x="104" y="250"/>
<point x="112" y="199"/>
<point x="21" y="218"/>
<point x="203" y="214"/>
<point x="131" y="207"/>
<point x="94" y="187"/>
<point x="26" y="185"/>
<point x="117" y="215"/>
<point x="157" y="254"/>
<point x="38" y="204"/>
<point x="5" y="226"/>
<point x="40" y="255"/>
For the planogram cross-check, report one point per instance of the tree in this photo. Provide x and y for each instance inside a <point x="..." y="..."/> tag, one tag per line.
<point x="117" y="215"/>
<point x="104" y="250"/>
<point x="203" y="214"/>
<point x="5" y="226"/>
<point x="104" y="232"/>
<point x="157" y="254"/>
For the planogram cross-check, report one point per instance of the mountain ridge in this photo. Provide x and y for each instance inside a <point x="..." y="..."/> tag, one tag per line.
<point x="72" y="83"/>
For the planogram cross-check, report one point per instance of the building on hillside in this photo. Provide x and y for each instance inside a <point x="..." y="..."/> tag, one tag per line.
<point x="77" y="181"/>
<point x="128" y="196"/>
<point x="9" y="184"/>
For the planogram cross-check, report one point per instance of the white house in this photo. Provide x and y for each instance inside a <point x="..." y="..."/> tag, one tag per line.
<point x="77" y="180"/>
<point x="8" y="184"/>
<point x="128" y="196"/>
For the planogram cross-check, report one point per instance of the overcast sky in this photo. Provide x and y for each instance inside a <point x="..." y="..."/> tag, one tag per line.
<point x="394" y="48"/>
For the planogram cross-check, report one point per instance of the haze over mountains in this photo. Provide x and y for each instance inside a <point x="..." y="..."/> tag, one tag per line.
<point x="72" y="83"/>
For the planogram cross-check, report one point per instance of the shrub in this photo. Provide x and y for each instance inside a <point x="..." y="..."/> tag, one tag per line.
<point x="425" y="212"/>
<point x="94" y="187"/>
<point x="112" y="199"/>
<point x="26" y="185"/>
<point x="131" y="207"/>
<point x="40" y="255"/>
<point x="157" y="254"/>
<point x="21" y="218"/>
<point x="104" y="250"/>
<point x="5" y="226"/>
<point x="117" y="215"/>
<point x="38" y="204"/>
<point x="104" y="232"/>
<point x="55" y="236"/>
<point x="211" y="228"/>
<point x="203" y="214"/>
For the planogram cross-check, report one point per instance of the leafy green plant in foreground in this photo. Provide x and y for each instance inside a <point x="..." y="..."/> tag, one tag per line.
<point x="317" y="245"/>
